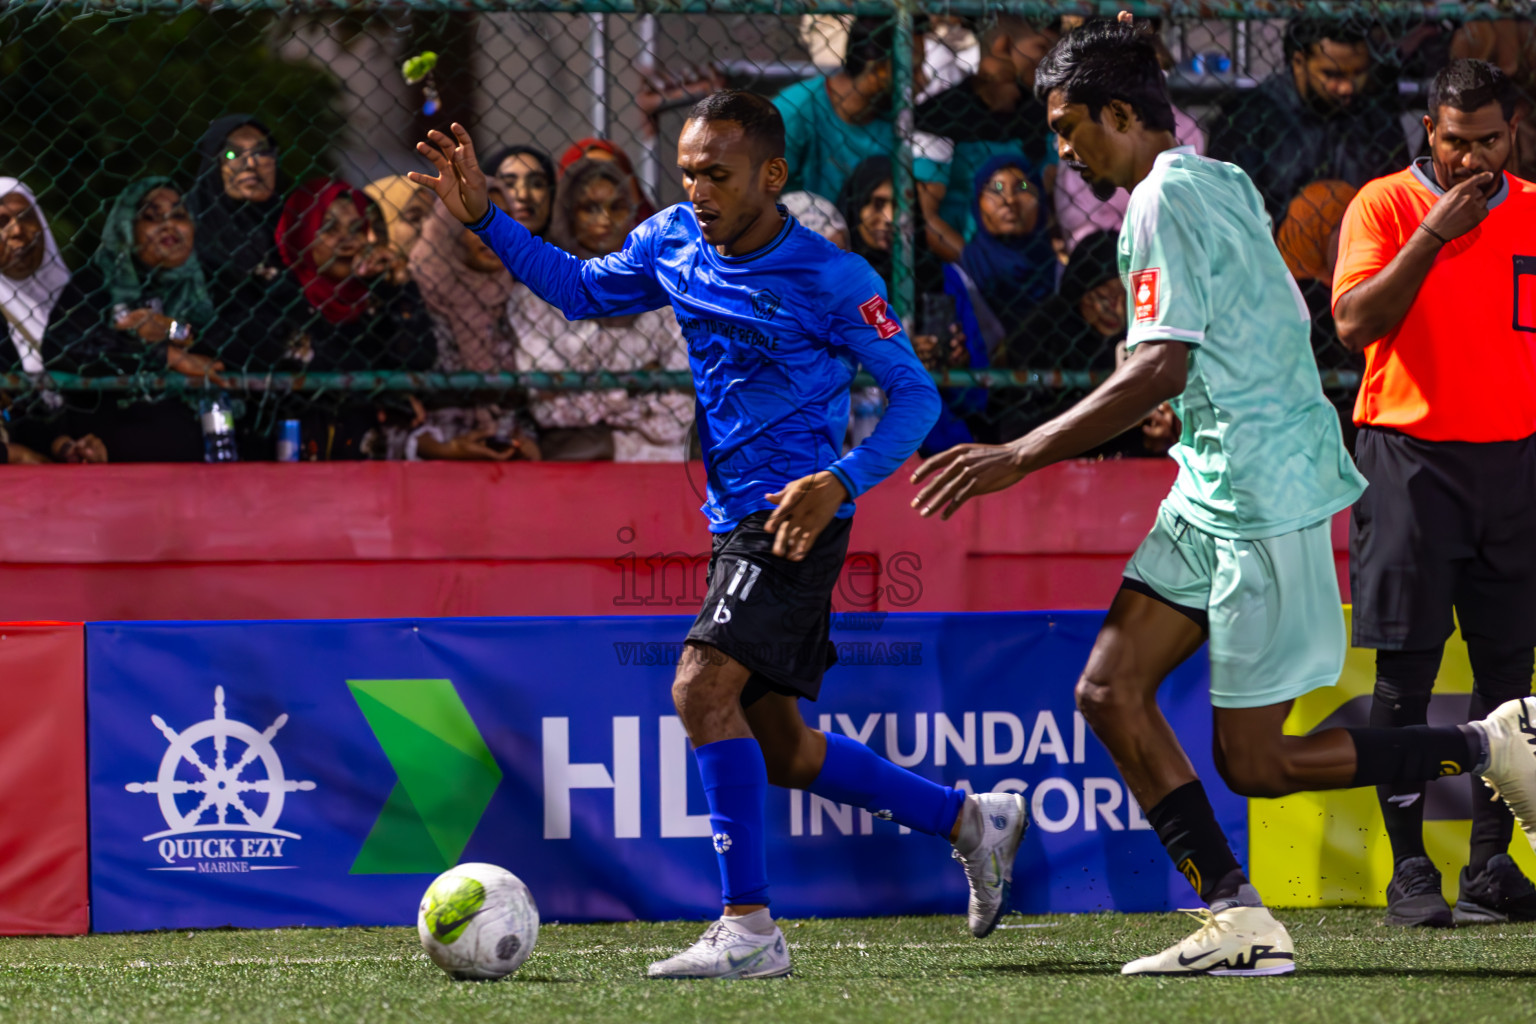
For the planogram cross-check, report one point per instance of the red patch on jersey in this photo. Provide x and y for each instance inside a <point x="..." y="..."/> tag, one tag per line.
<point x="1144" y="290"/>
<point x="878" y="315"/>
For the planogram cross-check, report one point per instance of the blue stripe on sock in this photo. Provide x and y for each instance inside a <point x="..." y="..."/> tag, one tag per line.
<point x="736" y="785"/>
<point x="854" y="774"/>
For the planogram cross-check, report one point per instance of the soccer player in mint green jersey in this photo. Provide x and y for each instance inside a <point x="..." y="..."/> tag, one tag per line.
<point x="1240" y="552"/>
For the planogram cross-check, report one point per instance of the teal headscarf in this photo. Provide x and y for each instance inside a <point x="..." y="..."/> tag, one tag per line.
<point x="182" y="291"/>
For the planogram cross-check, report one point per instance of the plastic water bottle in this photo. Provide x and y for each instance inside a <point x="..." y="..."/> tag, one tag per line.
<point x="288" y="442"/>
<point x="218" y="430"/>
<point x="867" y="405"/>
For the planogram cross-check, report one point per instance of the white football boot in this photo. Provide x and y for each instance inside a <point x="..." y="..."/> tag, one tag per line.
<point x="989" y="867"/>
<point x="724" y="952"/>
<point x="1511" y="772"/>
<point x="1236" y="941"/>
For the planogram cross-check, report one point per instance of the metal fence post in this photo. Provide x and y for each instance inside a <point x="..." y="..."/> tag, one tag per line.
<point x="902" y="182"/>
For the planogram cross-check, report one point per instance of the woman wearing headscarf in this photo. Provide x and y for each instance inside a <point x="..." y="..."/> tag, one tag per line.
<point x="32" y="278"/>
<point x="594" y="213"/>
<point x="528" y="175"/>
<point x="601" y="149"/>
<point x="1010" y="258"/>
<point x="403" y="207"/>
<point x="237" y="199"/>
<point x="466" y="288"/>
<point x="353" y="315"/>
<point x="141" y="306"/>
<point x="1080" y="327"/>
<point x="954" y="327"/>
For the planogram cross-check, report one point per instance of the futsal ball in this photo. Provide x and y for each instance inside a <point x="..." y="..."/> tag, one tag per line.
<point x="478" y="922"/>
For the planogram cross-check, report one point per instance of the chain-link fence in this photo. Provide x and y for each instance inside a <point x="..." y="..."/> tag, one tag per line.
<point x="203" y="208"/>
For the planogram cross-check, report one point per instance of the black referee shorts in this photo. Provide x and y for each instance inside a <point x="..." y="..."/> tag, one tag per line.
<point x="773" y="615"/>
<point x="1443" y="524"/>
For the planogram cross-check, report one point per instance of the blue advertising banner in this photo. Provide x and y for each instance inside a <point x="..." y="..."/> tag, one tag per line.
<point x="264" y="774"/>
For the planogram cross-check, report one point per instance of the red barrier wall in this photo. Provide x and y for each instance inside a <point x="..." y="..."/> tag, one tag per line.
<point x="43" y="854"/>
<point x="424" y="539"/>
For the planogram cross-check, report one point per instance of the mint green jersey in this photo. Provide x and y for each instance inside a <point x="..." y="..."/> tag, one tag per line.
<point x="1261" y="453"/>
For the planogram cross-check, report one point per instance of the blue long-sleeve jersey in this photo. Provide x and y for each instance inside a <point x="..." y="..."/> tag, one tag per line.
<point x="774" y="338"/>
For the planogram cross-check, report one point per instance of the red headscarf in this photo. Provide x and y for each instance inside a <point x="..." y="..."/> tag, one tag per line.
<point x="303" y="214"/>
<point x="644" y="208"/>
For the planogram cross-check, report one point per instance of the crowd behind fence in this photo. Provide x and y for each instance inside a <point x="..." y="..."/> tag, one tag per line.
<point x="208" y="248"/>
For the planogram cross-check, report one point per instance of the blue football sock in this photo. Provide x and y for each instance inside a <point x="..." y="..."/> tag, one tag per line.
<point x="854" y="774"/>
<point x="736" y="785"/>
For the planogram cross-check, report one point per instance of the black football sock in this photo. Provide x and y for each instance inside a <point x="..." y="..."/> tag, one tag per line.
<point x="1187" y="826"/>
<point x="1404" y="680"/>
<point x="1414" y="753"/>
<point x="1499" y="674"/>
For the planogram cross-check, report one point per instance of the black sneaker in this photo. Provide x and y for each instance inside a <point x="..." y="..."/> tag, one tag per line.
<point x="1414" y="899"/>
<point x="1497" y="894"/>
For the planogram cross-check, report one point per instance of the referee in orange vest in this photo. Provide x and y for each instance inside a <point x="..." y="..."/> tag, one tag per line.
<point x="1436" y="284"/>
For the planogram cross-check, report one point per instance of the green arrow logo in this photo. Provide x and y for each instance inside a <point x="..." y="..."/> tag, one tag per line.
<point x="446" y="775"/>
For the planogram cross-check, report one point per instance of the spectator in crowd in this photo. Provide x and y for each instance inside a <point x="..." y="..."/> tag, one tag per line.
<point x="993" y="112"/>
<point x="1080" y="213"/>
<point x="32" y="275"/>
<point x="832" y="124"/>
<point x="467" y="288"/>
<point x="955" y="326"/>
<point x="141" y="305"/>
<point x="818" y="213"/>
<point x="602" y="149"/>
<point x="237" y="200"/>
<point x="529" y="178"/>
<point x="1308" y="239"/>
<point x="1010" y="259"/>
<point x="404" y="207"/>
<point x="1080" y="328"/>
<point x="354" y="317"/>
<point x="594" y="213"/>
<point x="1312" y="119"/>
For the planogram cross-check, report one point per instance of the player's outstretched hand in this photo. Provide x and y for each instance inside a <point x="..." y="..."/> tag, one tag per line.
<point x="806" y="506"/>
<point x="460" y="183"/>
<point x="962" y="473"/>
<point x="1461" y="208"/>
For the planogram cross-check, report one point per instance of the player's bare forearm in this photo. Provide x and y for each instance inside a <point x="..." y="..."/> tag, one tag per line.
<point x="1153" y="375"/>
<point x="1371" y="309"/>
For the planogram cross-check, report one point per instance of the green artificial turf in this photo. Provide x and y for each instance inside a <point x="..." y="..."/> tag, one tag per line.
<point x="1063" y="968"/>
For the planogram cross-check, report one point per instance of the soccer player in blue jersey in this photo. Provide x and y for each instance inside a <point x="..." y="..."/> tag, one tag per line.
<point x="777" y="321"/>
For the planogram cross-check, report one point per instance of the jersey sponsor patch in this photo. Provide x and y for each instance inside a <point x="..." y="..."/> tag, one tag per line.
<point x="1144" y="288"/>
<point x="878" y="315"/>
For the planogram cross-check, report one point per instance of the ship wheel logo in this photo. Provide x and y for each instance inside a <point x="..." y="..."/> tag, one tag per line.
<point x="244" y="768"/>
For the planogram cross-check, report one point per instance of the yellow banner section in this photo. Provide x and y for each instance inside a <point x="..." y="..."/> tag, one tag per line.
<point x="1330" y="849"/>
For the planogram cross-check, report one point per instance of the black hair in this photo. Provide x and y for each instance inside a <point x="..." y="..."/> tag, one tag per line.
<point x="1302" y="34"/>
<point x="1103" y="61"/>
<point x="760" y="121"/>
<point x="873" y="40"/>
<point x="1468" y="85"/>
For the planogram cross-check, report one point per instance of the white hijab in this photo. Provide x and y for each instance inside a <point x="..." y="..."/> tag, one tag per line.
<point x="28" y="302"/>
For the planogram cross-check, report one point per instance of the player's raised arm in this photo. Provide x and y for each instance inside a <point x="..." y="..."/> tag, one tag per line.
<point x="615" y="285"/>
